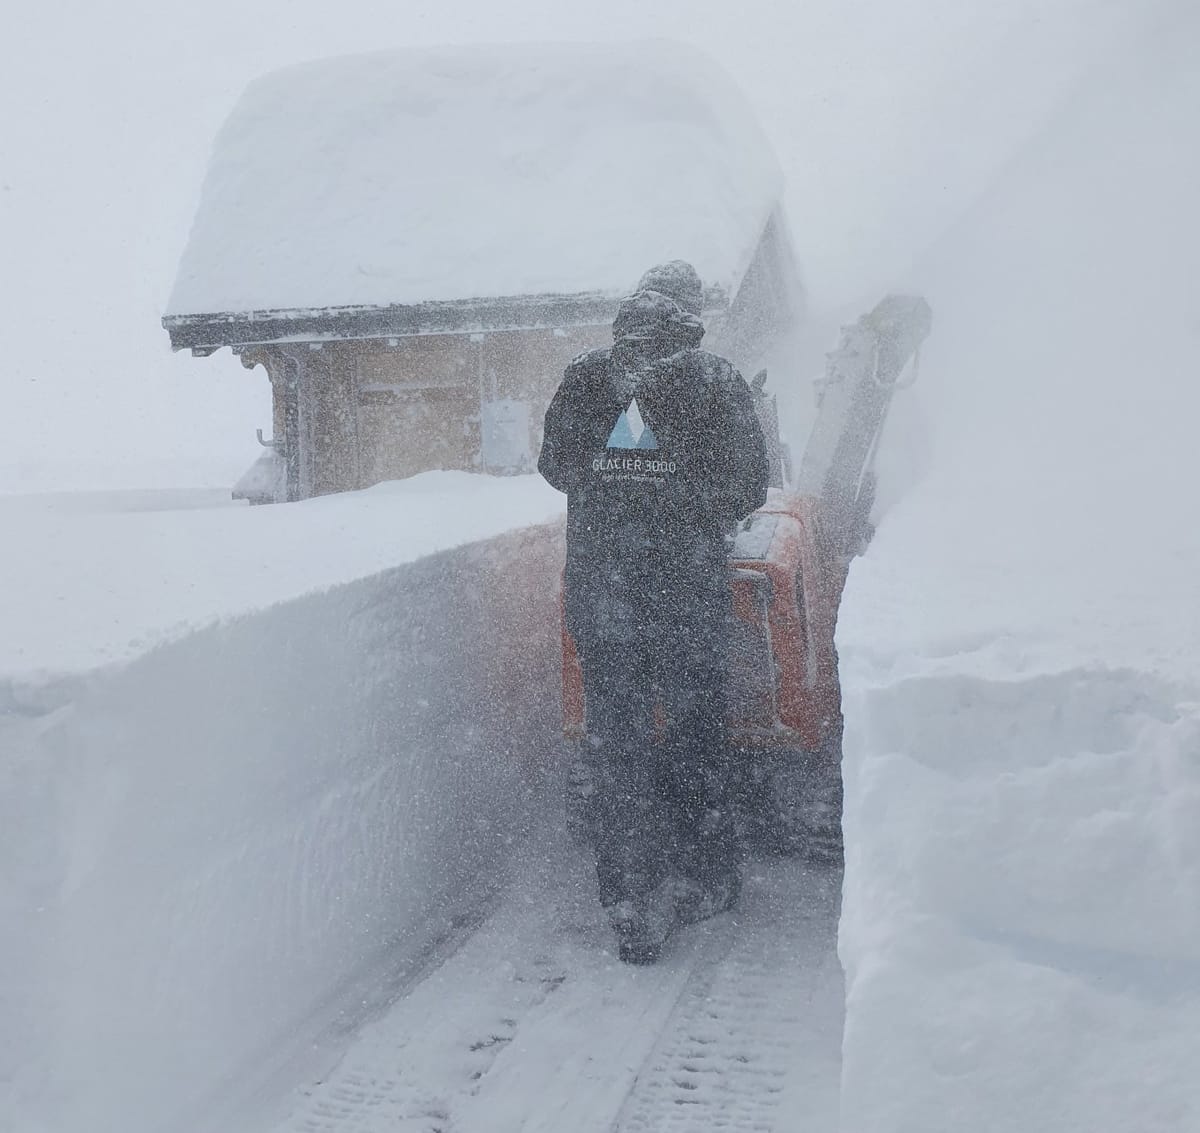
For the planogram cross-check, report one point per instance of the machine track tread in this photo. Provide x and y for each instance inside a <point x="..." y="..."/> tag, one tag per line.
<point x="747" y="1020"/>
<point x="534" y="1026"/>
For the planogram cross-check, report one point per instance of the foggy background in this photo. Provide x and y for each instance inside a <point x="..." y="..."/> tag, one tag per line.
<point x="890" y="119"/>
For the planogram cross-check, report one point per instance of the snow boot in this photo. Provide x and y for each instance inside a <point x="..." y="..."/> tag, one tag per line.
<point x="699" y="900"/>
<point x="643" y="925"/>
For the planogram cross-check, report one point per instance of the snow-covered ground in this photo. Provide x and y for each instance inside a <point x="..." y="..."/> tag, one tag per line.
<point x="1021" y="652"/>
<point x="534" y="1025"/>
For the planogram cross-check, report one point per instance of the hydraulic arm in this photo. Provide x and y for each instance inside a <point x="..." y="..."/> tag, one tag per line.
<point x="854" y="396"/>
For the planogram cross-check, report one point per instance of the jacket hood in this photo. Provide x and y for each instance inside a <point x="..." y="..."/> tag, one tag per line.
<point x="651" y="326"/>
<point x="679" y="280"/>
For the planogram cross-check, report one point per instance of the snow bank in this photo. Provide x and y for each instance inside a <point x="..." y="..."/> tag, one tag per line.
<point x="460" y="173"/>
<point x="1021" y="649"/>
<point x="220" y="851"/>
<point x="103" y="577"/>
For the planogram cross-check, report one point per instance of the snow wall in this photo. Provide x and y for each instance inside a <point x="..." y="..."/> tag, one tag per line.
<point x="218" y="846"/>
<point x="1021" y="655"/>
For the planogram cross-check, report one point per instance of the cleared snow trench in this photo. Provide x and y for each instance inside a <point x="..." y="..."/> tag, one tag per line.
<point x="534" y="1025"/>
<point x="305" y="830"/>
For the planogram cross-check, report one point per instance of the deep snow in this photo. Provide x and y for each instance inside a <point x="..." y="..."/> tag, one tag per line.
<point x="102" y="577"/>
<point x="1021" y="655"/>
<point x="316" y="759"/>
<point x="477" y="172"/>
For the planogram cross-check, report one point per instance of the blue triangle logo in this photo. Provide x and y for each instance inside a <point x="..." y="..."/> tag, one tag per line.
<point x="622" y="434"/>
<point x="631" y="431"/>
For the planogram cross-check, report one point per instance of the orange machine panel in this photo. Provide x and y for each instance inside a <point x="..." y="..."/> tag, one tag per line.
<point x="783" y="687"/>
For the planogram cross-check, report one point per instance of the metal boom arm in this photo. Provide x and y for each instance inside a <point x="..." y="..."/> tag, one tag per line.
<point x="854" y="396"/>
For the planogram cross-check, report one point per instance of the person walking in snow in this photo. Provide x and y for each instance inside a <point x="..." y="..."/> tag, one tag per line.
<point x="660" y="453"/>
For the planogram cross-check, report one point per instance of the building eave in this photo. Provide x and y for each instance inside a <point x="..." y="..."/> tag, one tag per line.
<point x="203" y="334"/>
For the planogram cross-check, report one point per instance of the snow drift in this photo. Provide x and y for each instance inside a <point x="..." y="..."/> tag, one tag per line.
<point x="1020" y="649"/>
<point x="116" y="573"/>
<point x="210" y="847"/>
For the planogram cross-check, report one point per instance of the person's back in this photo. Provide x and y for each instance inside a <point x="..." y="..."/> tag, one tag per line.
<point x="659" y="450"/>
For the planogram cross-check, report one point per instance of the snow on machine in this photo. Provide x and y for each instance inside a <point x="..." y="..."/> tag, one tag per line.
<point x="788" y="565"/>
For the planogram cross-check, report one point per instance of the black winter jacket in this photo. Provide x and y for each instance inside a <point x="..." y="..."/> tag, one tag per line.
<point x="658" y="468"/>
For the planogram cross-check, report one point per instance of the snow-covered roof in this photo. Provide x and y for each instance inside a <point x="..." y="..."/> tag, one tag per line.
<point x="458" y="173"/>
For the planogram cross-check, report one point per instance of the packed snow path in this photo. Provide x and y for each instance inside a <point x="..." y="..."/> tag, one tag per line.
<point x="533" y="1024"/>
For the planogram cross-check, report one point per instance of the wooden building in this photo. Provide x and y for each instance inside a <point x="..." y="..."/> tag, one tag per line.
<point x="359" y="296"/>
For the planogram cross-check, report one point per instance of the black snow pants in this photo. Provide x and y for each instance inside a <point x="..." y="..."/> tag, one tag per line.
<point x="655" y="704"/>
